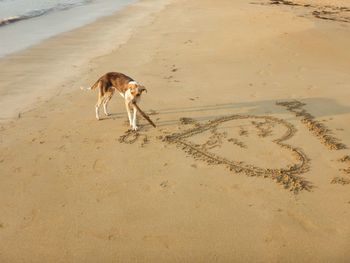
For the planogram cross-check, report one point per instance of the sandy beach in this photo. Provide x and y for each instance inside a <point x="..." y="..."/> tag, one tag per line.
<point x="250" y="160"/>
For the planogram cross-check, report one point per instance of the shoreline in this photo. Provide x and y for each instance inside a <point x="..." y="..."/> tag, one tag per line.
<point x="68" y="53"/>
<point x="28" y="31"/>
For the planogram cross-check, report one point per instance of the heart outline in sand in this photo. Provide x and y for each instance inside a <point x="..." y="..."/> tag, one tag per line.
<point x="289" y="177"/>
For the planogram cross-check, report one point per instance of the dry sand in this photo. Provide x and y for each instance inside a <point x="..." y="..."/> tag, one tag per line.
<point x="212" y="182"/>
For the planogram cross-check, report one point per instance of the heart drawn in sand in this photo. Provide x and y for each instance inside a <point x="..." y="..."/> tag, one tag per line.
<point x="209" y="149"/>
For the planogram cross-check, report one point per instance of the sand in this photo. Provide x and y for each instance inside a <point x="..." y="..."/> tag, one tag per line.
<point x="251" y="103"/>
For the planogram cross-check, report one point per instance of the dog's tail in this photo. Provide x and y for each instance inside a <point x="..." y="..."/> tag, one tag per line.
<point x="97" y="84"/>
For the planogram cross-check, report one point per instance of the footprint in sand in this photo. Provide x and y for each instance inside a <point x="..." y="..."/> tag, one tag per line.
<point x="29" y="219"/>
<point x="99" y="166"/>
<point x="302" y="220"/>
<point x="17" y="169"/>
<point x="164" y="184"/>
<point x="157" y="239"/>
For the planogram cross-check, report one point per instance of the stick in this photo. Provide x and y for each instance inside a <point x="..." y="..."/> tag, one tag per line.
<point x="144" y="114"/>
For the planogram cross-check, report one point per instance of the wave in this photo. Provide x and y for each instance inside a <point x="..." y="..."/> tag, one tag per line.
<point x="40" y="12"/>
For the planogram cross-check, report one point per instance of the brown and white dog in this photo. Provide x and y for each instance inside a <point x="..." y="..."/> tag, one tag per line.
<point x="128" y="88"/>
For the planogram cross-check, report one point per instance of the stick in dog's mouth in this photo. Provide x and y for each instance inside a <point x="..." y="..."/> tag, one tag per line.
<point x="143" y="114"/>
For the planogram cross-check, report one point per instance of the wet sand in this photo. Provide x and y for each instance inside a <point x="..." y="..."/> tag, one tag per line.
<point x="248" y="162"/>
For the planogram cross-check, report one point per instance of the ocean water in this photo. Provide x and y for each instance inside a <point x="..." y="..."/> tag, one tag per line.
<point x="17" y="10"/>
<point x="26" y="22"/>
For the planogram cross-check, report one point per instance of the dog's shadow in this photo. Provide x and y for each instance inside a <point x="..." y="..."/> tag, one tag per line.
<point x="113" y="116"/>
<point x="318" y="107"/>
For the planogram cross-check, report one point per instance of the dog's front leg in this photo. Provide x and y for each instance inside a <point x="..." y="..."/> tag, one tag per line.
<point x="127" y="105"/>
<point x="134" y="127"/>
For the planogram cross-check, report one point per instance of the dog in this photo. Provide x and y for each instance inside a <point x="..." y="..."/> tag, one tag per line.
<point x="128" y="88"/>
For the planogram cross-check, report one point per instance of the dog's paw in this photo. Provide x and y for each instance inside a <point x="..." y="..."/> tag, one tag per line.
<point x="135" y="128"/>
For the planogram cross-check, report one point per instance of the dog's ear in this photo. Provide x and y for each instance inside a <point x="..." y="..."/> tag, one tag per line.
<point x="133" y="91"/>
<point x="132" y="87"/>
<point x="142" y="89"/>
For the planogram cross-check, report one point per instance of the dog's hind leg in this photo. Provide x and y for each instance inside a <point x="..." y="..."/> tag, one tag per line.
<point x="105" y="104"/>
<point x="98" y="104"/>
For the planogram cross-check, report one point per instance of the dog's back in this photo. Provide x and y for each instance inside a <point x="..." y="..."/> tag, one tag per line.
<point x="110" y="80"/>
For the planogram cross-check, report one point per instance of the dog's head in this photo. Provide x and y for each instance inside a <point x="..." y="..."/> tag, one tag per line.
<point x="136" y="88"/>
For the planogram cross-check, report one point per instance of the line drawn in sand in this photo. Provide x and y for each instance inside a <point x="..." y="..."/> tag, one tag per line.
<point x="343" y="180"/>
<point x="289" y="177"/>
<point x="129" y="137"/>
<point x="317" y="128"/>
